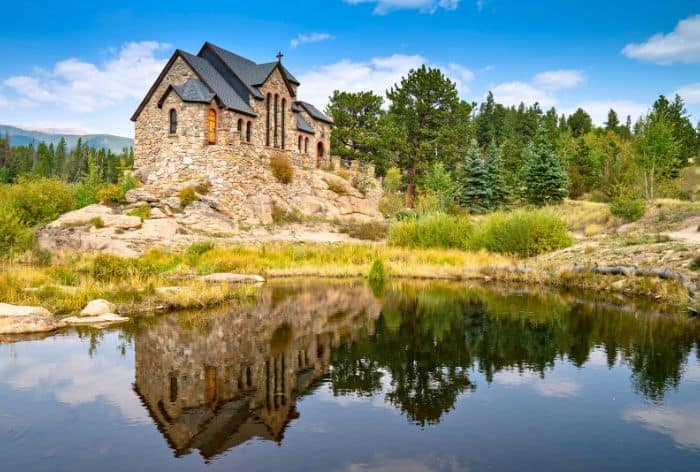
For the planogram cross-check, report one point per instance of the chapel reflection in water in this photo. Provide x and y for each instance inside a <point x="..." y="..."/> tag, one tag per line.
<point x="213" y="381"/>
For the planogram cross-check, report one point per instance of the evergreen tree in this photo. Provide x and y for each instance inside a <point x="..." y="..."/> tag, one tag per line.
<point x="424" y="105"/>
<point x="474" y="182"/>
<point x="580" y="123"/>
<point x="500" y="190"/>
<point x="543" y="174"/>
<point x="60" y="161"/>
<point x="356" y="127"/>
<point x="613" y="122"/>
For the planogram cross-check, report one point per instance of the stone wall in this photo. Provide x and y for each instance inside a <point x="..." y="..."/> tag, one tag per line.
<point x="236" y="170"/>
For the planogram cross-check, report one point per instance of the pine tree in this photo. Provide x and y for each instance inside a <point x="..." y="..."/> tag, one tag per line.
<point x="613" y="121"/>
<point x="474" y="182"/>
<point x="543" y="174"/>
<point x="500" y="190"/>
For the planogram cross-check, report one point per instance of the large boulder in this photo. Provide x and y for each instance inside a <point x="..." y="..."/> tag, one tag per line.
<point x="201" y="218"/>
<point x="92" y="213"/>
<point x="27" y="319"/>
<point x="137" y="195"/>
<point x="98" y="307"/>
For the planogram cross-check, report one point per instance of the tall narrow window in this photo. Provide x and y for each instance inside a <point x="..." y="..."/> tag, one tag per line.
<point x="240" y="129"/>
<point x="306" y="145"/>
<point x="284" y="113"/>
<point x="277" y="98"/>
<point x="173" y="121"/>
<point x="211" y="126"/>
<point x="267" y="122"/>
<point x="248" y="131"/>
<point x="299" y="143"/>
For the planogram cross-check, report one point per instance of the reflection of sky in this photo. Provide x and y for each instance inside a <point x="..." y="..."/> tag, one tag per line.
<point x="61" y="367"/>
<point x="682" y="423"/>
<point x="552" y="385"/>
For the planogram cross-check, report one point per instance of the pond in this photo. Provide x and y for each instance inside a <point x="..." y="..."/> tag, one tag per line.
<point x="315" y="375"/>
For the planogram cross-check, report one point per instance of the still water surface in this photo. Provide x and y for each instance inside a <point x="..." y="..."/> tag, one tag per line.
<point x="331" y="376"/>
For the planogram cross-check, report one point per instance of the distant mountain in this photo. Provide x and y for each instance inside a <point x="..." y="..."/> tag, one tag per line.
<point x="22" y="137"/>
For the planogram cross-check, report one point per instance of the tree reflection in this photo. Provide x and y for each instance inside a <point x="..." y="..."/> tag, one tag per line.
<point x="429" y="337"/>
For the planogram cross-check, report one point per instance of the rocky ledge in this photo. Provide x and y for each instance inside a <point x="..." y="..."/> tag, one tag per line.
<point x="16" y="319"/>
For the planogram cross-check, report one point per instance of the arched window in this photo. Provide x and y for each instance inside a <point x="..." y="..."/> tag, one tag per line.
<point x="277" y="99"/>
<point x="240" y="129"/>
<point x="248" y="131"/>
<point x="284" y="113"/>
<point x="306" y="145"/>
<point x="320" y="153"/>
<point x="267" y="121"/>
<point x="300" y="143"/>
<point x="211" y="126"/>
<point x="173" y="121"/>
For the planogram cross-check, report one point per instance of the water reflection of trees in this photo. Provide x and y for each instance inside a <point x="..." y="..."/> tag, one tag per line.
<point x="428" y="339"/>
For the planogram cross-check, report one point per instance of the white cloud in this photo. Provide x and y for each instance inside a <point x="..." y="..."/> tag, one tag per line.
<point x="680" y="45"/>
<point x="680" y="423"/>
<point x="559" y="79"/>
<point x="85" y="87"/>
<point x="310" y="38"/>
<point x="384" y="7"/>
<point x="62" y="370"/>
<point x="598" y="109"/>
<point x="376" y="75"/>
<point x="549" y="386"/>
<point x="514" y="93"/>
<point x="690" y="93"/>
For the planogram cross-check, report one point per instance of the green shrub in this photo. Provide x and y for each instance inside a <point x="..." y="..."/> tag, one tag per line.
<point x="393" y="180"/>
<point x="336" y="187"/>
<point x="128" y="182"/>
<point x="377" y="273"/>
<point x="37" y="201"/>
<point x="63" y="275"/>
<point x="368" y="231"/>
<point x="282" y="168"/>
<point x="437" y="230"/>
<point x="110" y="193"/>
<point x="695" y="264"/>
<point x="142" y="211"/>
<point x="362" y="180"/>
<point x="628" y="208"/>
<point x="197" y="249"/>
<point x="40" y="257"/>
<point x="391" y="203"/>
<point x="97" y="222"/>
<point x="107" y="268"/>
<point x="187" y="196"/>
<point x="15" y="236"/>
<point x="280" y="215"/>
<point x="523" y="233"/>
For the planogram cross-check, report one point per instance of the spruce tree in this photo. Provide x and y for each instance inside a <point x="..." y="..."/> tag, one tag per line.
<point x="543" y="174"/>
<point x="474" y="183"/>
<point x="500" y="190"/>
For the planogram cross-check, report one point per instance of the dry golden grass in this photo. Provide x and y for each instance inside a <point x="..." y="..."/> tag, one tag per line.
<point x="577" y="214"/>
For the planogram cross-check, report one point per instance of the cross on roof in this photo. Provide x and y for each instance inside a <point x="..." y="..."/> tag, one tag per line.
<point x="279" y="56"/>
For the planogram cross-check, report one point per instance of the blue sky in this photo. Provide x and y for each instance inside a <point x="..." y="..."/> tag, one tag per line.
<point x="85" y="66"/>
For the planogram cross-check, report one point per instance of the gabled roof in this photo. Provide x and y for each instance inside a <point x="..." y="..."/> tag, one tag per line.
<point x="303" y="125"/>
<point x="194" y="90"/>
<point x="315" y="113"/>
<point x="229" y="98"/>
<point x="251" y="74"/>
<point x="223" y="92"/>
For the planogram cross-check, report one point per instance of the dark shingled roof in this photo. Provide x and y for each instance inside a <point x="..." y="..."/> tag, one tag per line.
<point x="194" y="91"/>
<point x="304" y="125"/>
<point x="231" y="80"/>
<point x="249" y="72"/>
<point x="315" y="112"/>
<point x="229" y="98"/>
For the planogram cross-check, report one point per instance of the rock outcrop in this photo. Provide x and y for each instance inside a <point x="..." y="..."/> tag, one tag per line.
<point x="27" y="319"/>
